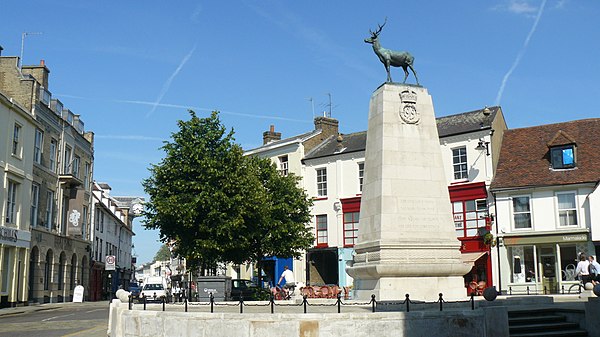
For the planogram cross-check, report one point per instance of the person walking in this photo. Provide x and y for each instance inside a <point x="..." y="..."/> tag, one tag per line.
<point x="594" y="269"/>
<point x="582" y="270"/>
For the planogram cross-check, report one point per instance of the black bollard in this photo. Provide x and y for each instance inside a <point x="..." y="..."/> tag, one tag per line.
<point x="144" y="302"/>
<point x="407" y="300"/>
<point x="272" y="300"/>
<point x="163" y="303"/>
<point x="212" y="303"/>
<point x="472" y="302"/>
<point x="339" y="303"/>
<point x="185" y="303"/>
<point x="441" y="301"/>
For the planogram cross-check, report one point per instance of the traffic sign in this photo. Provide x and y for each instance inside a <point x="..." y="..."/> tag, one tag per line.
<point x="110" y="262"/>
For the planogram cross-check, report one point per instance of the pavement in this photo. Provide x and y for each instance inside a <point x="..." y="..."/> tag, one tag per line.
<point x="46" y="306"/>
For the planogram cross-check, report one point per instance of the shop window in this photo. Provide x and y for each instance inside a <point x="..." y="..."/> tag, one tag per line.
<point x="470" y="217"/>
<point x="563" y="157"/>
<point x="459" y="163"/>
<point x="321" y="230"/>
<point x="523" y="264"/>
<point x="567" y="209"/>
<point x="568" y="262"/>
<point x="350" y="228"/>
<point x="6" y="269"/>
<point x="521" y="212"/>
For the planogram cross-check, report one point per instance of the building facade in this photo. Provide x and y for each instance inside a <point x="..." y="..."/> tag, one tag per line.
<point x="17" y="127"/>
<point x="111" y="237"/>
<point x="60" y="191"/>
<point x="287" y="155"/>
<point x="548" y="204"/>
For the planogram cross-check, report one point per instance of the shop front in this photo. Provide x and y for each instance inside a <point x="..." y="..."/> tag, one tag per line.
<point x="544" y="264"/>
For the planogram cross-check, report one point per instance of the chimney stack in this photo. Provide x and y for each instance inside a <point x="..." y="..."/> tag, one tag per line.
<point x="1" y="49"/>
<point x="271" y="135"/>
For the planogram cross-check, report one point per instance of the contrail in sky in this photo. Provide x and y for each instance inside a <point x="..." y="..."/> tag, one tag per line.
<point x="195" y="108"/>
<point x="167" y="84"/>
<point x="521" y="53"/>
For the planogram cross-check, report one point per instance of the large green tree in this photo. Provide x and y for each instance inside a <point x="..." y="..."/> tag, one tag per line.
<point x="218" y="205"/>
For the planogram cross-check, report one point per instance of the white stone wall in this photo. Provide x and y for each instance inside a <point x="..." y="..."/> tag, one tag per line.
<point x="466" y="323"/>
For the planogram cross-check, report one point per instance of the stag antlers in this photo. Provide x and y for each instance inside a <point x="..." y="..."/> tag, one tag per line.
<point x="380" y="27"/>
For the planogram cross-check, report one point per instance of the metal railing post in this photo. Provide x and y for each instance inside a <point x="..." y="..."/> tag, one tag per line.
<point x="441" y="301"/>
<point x="407" y="302"/>
<point x="472" y="302"/>
<point x="373" y="302"/>
<point x="304" y="303"/>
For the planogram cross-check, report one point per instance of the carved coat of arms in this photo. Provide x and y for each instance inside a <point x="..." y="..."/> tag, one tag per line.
<point x="408" y="108"/>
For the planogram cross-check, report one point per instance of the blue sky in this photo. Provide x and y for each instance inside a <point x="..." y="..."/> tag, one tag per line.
<point x="133" y="68"/>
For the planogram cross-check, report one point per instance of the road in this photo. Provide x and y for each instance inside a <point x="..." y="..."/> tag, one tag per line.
<point x="56" y="320"/>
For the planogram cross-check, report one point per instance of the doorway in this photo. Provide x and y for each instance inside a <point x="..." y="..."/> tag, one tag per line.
<point x="548" y="270"/>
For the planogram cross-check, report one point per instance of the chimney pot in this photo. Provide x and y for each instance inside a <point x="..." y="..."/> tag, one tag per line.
<point x="272" y="128"/>
<point x="42" y="62"/>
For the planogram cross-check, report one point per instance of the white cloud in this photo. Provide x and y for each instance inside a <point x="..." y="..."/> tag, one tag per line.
<point x="521" y="7"/>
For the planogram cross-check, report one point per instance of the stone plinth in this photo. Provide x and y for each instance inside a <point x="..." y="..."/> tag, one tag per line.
<point x="406" y="239"/>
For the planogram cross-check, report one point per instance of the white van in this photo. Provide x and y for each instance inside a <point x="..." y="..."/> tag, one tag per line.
<point x="155" y="289"/>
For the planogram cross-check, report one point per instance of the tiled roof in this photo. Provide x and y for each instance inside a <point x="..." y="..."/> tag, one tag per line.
<point x="447" y="126"/>
<point x="351" y="142"/>
<point x="525" y="156"/>
<point x="466" y="122"/>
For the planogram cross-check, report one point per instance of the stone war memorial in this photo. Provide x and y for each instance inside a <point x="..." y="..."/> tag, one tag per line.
<point x="406" y="241"/>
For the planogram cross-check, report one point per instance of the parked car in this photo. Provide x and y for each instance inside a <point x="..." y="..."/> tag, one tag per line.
<point x="248" y="290"/>
<point x="134" y="289"/>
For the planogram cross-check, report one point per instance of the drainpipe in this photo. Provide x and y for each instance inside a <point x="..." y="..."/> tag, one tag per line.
<point x="497" y="244"/>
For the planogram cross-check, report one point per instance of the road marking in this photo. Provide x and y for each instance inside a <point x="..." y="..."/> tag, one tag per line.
<point x="87" y="312"/>
<point x="51" y="318"/>
<point x="86" y="331"/>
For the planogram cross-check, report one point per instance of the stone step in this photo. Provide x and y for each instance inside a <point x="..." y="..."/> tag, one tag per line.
<point x="565" y="333"/>
<point x="535" y="319"/>
<point x="535" y="327"/>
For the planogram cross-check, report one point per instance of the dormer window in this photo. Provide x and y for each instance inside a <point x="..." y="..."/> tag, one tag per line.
<point x="562" y="157"/>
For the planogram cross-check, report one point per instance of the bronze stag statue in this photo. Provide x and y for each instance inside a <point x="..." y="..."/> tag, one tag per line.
<point x="390" y="57"/>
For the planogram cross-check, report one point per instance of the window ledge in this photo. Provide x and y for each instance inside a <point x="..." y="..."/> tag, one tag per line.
<point x="459" y="181"/>
<point x="319" y="198"/>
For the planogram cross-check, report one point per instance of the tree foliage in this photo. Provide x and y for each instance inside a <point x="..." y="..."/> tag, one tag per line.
<point x="218" y="205"/>
<point x="163" y="253"/>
